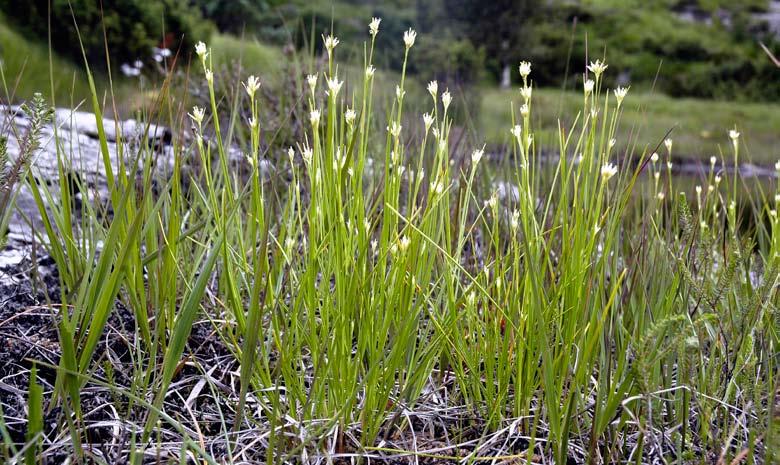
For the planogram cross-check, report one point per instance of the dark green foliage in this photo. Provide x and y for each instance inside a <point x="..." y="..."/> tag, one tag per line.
<point x="236" y="16"/>
<point x="132" y="27"/>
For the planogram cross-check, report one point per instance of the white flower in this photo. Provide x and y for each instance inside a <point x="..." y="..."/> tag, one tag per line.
<point x="777" y="165"/>
<point x="373" y="26"/>
<point x="433" y="89"/>
<point x="197" y="114"/>
<point x="253" y="123"/>
<point x="312" y="80"/>
<point x="654" y="157"/>
<point x="209" y="76"/>
<point x="476" y="156"/>
<point x="668" y="143"/>
<point x="607" y="171"/>
<point x="514" y="221"/>
<point x="717" y="179"/>
<point x="409" y="37"/>
<point x="428" y="121"/>
<point x="291" y="154"/>
<point x="710" y="188"/>
<point x="446" y="99"/>
<point x="251" y="85"/>
<point x="597" y="67"/>
<point x="334" y="85"/>
<point x="370" y="71"/>
<point x="307" y="154"/>
<point x="734" y="135"/>
<point x="612" y="143"/>
<point x="661" y="195"/>
<point x="492" y="202"/>
<point x="698" y="190"/>
<point x="713" y="160"/>
<point x="620" y="94"/>
<point x="399" y="94"/>
<point x="588" y="86"/>
<point x="350" y="116"/>
<point x="331" y="43"/>
<point x="403" y="244"/>
<point x="314" y="117"/>
<point x="524" y="110"/>
<point x="657" y="175"/>
<point x="200" y="49"/>
<point x="394" y="129"/>
<point x="437" y="187"/>
<point x="777" y="198"/>
<point x="525" y="69"/>
<point x="669" y="165"/>
<point x="517" y="131"/>
<point x="526" y="92"/>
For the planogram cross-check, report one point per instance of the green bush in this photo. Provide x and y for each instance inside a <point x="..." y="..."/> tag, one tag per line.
<point x="132" y="27"/>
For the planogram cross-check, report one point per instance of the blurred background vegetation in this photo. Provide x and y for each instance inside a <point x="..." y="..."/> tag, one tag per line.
<point x="702" y="49"/>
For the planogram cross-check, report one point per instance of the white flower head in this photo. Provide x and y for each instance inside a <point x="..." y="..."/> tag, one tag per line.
<point x="446" y="99"/>
<point x="734" y="135"/>
<point x="209" y="76"/>
<point x="713" y="160"/>
<point x="291" y="154"/>
<point x="524" y="110"/>
<point x="777" y="166"/>
<point x="607" y="171"/>
<point x="588" y="86"/>
<point x="657" y="175"/>
<point x="433" y="89"/>
<point x="698" y="190"/>
<point x="661" y="196"/>
<point x="526" y="92"/>
<point x="399" y="93"/>
<point x="370" y="70"/>
<point x="312" y="80"/>
<point x="668" y="143"/>
<point x="201" y="51"/>
<point x="710" y="188"/>
<point x="331" y="43"/>
<point x="409" y="37"/>
<point x="395" y="129"/>
<point x="477" y="155"/>
<point x="373" y="26"/>
<point x="314" y="117"/>
<point x="620" y="94"/>
<point x="612" y="143"/>
<point x="251" y="85"/>
<point x="654" y="157"/>
<point x="307" y="153"/>
<point x="669" y="165"/>
<point x="197" y="114"/>
<point x="517" y="131"/>
<point x="597" y="67"/>
<point x="525" y="69"/>
<point x="717" y="179"/>
<point x="492" y="202"/>
<point x="427" y="120"/>
<point x="334" y="86"/>
<point x="514" y="221"/>
<point x="349" y="116"/>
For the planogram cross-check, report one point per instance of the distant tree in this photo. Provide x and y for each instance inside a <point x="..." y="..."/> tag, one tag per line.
<point x="236" y="15"/>
<point x="132" y="27"/>
<point x="500" y="27"/>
